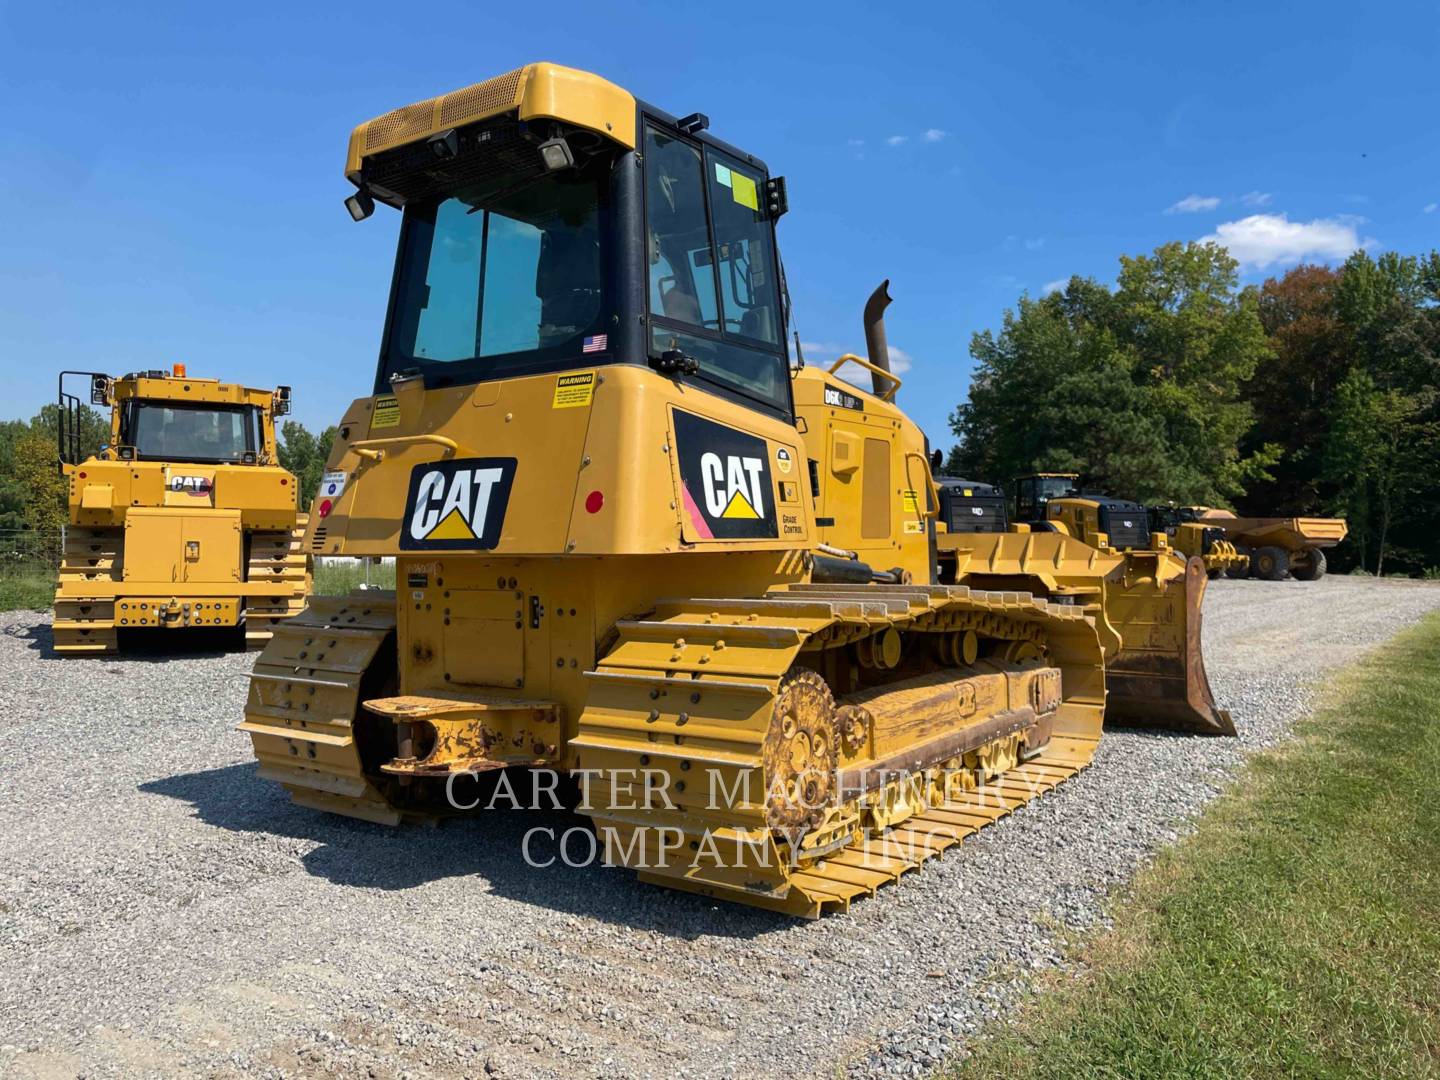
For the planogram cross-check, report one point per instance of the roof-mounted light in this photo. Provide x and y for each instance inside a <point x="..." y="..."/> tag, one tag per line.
<point x="445" y="145"/>
<point x="556" y="154"/>
<point x="360" y="205"/>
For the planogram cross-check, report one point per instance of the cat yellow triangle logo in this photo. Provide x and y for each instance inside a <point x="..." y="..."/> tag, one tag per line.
<point x="453" y="527"/>
<point x="739" y="507"/>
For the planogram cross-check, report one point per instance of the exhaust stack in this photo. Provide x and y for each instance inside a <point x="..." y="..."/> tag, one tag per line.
<point x="875" y="345"/>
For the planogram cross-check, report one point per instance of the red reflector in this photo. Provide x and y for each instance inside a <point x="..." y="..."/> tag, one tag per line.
<point x="593" y="502"/>
<point x="283" y="481"/>
<point x="325" y="508"/>
<point x="82" y="476"/>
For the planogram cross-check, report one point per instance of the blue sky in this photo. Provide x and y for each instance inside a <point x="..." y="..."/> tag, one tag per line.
<point x="171" y="177"/>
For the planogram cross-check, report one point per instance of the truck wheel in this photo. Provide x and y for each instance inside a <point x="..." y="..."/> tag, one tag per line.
<point x="1242" y="570"/>
<point x="1271" y="563"/>
<point x="1310" y="567"/>
<point x="1214" y="574"/>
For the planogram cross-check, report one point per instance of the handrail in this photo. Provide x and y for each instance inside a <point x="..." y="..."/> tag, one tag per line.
<point x="373" y="449"/>
<point x="851" y="358"/>
<point x="934" y="512"/>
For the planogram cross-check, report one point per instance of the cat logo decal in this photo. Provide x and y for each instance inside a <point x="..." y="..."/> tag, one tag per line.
<point x="725" y="478"/>
<point x="457" y="505"/>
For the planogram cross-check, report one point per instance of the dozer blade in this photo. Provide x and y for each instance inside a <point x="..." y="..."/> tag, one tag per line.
<point x="1158" y="678"/>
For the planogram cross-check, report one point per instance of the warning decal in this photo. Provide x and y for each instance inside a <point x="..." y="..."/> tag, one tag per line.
<point x="457" y="504"/>
<point x="573" y="390"/>
<point x="725" y="479"/>
<point x="387" y="413"/>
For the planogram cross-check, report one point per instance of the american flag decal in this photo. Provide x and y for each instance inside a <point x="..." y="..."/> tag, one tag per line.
<point x="595" y="344"/>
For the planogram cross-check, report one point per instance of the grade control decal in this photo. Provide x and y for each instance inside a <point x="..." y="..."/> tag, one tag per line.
<point x="725" y="479"/>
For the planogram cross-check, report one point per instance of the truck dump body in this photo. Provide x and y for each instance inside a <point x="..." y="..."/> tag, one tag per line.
<point x="1293" y="534"/>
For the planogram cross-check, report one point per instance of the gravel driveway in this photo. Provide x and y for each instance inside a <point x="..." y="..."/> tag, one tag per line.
<point x="162" y="911"/>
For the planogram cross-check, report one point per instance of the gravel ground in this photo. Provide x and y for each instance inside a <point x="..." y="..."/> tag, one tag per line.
<point x="162" y="911"/>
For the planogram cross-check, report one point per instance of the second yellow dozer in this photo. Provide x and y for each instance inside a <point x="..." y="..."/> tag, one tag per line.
<point x="184" y="520"/>
<point x="1144" y="596"/>
<point x="635" y="545"/>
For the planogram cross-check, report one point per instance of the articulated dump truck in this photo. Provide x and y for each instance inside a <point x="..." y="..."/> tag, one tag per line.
<point x="634" y="543"/>
<point x="185" y="520"/>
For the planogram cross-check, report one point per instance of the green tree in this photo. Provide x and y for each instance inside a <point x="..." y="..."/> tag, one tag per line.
<point x="305" y="454"/>
<point x="1138" y="388"/>
<point x="36" y="468"/>
<point x="93" y="428"/>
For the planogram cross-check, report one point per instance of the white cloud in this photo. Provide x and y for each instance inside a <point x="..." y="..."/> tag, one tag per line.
<point x="1035" y="244"/>
<point x="900" y="360"/>
<point x="933" y="135"/>
<point x="1193" y="204"/>
<point x="897" y="140"/>
<point x="1257" y="198"/>
<point x="1262" y="240"/>
<point x="1430" y="208"/>
<point x="816" y="351"/>
<point x="1054" y="286"/>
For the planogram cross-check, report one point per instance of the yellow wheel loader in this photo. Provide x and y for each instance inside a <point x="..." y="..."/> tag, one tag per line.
<point x="185" y="520"/>
<point x="636" y="545"/>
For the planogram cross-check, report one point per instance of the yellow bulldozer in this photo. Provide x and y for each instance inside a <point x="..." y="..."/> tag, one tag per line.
<point x="637" y="543"/>
<point x="1144" y="596"/>
<point x="184" y="519"/>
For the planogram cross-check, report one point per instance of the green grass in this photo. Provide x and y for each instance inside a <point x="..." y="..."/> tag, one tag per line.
<point x="1296" y="933"/>
<point x="26" y="589"/>
<point x="338" y="578"/>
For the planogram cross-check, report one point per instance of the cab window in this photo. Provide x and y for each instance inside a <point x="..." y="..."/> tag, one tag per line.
<point x="712" y="289"/>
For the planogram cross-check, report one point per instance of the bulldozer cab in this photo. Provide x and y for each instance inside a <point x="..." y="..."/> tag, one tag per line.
<point x="1034" y="491"/>
<point x="556" y="223"/>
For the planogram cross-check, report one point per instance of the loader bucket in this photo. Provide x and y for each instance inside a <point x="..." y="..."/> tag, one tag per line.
<point x="1158" y="678"/>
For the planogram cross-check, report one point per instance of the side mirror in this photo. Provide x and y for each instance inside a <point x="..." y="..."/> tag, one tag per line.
<point x="282" y="401"/>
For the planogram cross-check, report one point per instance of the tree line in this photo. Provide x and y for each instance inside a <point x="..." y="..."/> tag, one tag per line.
<point x="1312" y="394"/>
<point x="33" y="491"/>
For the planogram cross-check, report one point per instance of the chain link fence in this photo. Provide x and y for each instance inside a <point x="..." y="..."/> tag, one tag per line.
<point x="29" y="562"/>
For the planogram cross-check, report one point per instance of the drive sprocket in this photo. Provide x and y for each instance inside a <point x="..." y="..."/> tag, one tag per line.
<point x="800" y="754"/>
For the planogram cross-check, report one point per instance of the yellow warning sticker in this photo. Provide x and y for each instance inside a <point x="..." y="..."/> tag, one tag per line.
<point x="914" y="528"/>
<point x="743" y="190"/>
<point x="387" y="413"/>
<point x="574" y="390"/>
<point x="912" y="500"/>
